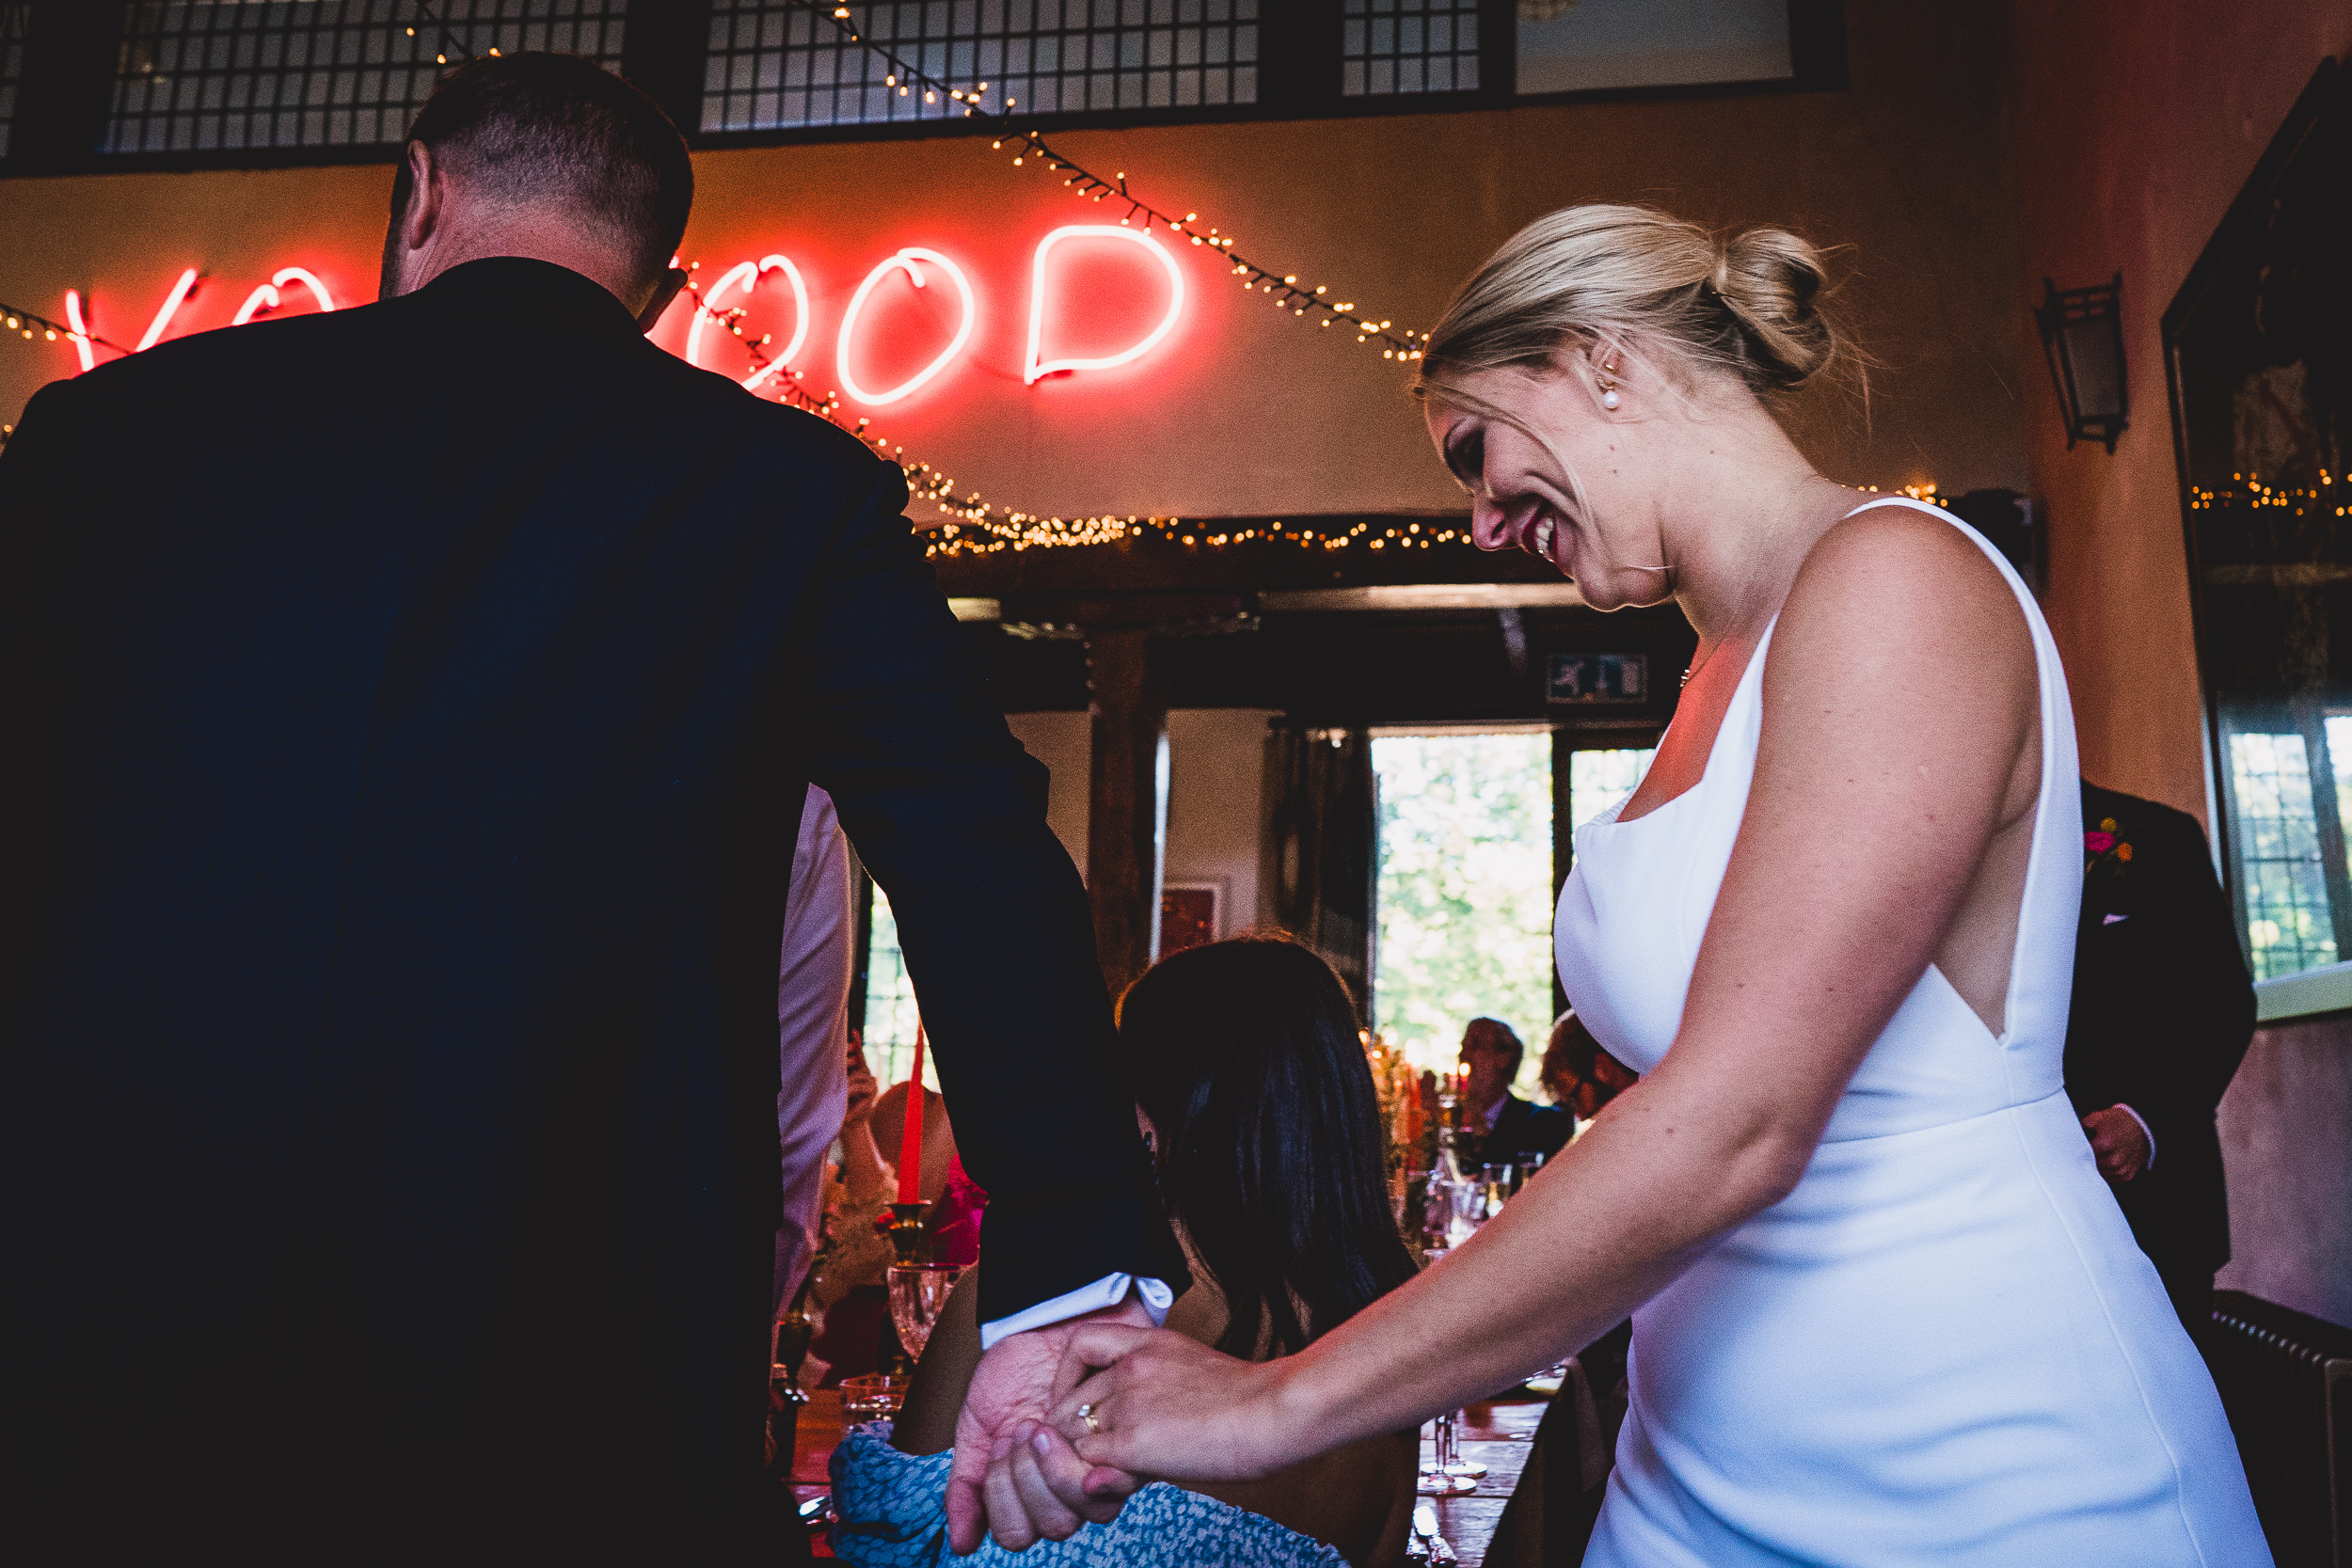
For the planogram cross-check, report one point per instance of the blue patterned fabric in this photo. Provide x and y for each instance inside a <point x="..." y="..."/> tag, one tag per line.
<point x="893" y="1512"/>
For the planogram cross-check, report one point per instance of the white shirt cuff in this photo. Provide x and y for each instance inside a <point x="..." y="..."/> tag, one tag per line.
<point x="1106" y="1292"/>
<point x="2144" y="1128"/>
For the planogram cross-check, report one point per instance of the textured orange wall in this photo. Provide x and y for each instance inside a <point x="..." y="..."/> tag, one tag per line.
<point x="2137" y="124"/>
<point x="1251" y="412"/>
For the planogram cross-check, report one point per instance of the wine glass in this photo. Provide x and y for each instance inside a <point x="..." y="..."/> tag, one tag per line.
<point x="917" y="1292"/>
<point x="1466" y="1198"/>
<point x="1444" y="1473"/>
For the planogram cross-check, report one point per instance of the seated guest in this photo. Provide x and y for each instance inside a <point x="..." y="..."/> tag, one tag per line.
<point x="850" y="1295"/>
<point x="848" y="1298"/>
<point x="1508" y="1130"/>
<point x="954" y="1222"/>
<point x="1253" y="1092"/>
<point x="939" y="1137"/>
<point x="1579" y="1075"/>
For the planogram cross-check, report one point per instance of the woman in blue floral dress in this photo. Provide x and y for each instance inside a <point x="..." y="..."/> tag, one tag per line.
<point x="1251" y="1086"/>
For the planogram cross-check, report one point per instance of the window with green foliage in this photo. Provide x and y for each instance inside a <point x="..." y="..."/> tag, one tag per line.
<point x="1599" y="779"/>
<point x="1465" y="891"/>
<point x="890" y="1009"/>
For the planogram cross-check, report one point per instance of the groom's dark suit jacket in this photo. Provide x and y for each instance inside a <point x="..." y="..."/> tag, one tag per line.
<point x="407" y="712"/>
<point x="2162" y="1013"/>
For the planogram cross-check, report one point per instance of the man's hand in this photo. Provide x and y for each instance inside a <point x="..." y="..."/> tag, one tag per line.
<point x="2119" y="1141"/>
<point x="1014" y="1476"/>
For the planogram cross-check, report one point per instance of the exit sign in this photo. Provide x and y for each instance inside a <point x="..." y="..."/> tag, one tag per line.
<point x="1597" y="678"/>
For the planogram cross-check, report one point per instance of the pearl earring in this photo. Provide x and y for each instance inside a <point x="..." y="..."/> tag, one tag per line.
<point x="1608" y="387"/>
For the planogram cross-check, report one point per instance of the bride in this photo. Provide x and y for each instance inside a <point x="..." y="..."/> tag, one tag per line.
<point x="1885" y="1308"/>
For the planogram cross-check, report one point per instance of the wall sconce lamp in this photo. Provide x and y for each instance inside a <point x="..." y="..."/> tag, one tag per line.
<point x="2082" y="332"/>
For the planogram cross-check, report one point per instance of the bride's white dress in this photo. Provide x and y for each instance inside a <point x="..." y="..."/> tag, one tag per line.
<point x="1943" y="1347"/>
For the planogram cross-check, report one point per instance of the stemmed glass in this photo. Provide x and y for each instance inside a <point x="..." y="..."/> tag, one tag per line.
<point x="1446" y="1473"/>
<point x="917" y="1292"/>
<point x="1465" y="1208"/>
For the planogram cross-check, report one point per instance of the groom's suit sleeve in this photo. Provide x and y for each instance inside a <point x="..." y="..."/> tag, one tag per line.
<point x="949" y="813"/>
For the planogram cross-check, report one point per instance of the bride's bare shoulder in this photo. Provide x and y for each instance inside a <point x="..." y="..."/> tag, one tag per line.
<point x="1889" y="587"/>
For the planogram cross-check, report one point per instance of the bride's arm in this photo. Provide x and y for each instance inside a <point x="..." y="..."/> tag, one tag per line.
<point x="1900" y="701"/>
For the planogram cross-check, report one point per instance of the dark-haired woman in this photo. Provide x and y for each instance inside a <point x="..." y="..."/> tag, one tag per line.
<point x="1252" y="1090"/>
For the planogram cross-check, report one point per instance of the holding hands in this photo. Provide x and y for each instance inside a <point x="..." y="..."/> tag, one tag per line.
<point x="1015" y="1477"/>
<point x="1135" y="1402"/>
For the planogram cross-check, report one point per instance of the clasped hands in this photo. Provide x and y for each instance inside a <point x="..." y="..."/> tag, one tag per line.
<point x="1029" y="1466"/>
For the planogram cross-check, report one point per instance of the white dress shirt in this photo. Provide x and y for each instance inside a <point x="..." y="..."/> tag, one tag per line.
<point x="812" y="1029"/>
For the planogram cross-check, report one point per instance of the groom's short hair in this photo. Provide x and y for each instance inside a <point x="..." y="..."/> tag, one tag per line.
<point x="539" y="130"/>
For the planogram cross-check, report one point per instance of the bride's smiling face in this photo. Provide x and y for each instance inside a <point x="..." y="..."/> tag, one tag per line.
<point x="1600" y="528"/>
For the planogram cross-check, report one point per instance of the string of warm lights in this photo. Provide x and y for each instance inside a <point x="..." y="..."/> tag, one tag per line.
<point x="30" y="325"/>
<point x="26" y="323"/>
<point x="978" y="528"/>
<point x="975" y="528"/>
<point x="2256" y="495"/>
<point x="1285" y="288"/>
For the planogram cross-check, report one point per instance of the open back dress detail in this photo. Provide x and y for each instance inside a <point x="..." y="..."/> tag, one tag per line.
<point x="1944" y="1346"/>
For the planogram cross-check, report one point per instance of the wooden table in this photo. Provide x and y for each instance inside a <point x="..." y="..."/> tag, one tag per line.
<point x="1496" y="1433"/>
<point x="820" y="1433"/>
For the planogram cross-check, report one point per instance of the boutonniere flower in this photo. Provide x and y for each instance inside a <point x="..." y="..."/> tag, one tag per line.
<point x="2103" y="843"/>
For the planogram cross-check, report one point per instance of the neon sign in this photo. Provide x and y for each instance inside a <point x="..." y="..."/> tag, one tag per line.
<point x="906" y="259"/>
<point x="747" y="273"/>
<point x="266" y="296"/>
<point x="1031" y="370"/>
<point x="172" y="302"/>
<point x="920" y="265"/>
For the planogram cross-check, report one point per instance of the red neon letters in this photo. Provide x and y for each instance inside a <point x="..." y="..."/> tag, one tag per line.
<point x="1031" y="370"/>
<point x="266" y="296"/>
<point x="906" y="259"/>
<point x="919" y="264"/>
<point x="747" y="273"/>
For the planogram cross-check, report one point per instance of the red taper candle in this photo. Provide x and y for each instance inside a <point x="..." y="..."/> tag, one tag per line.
<point x="910" y="1145"/>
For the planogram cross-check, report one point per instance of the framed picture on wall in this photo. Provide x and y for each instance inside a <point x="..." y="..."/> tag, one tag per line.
<point x="1188" y="915"/>
<point x="2258" y="353"/>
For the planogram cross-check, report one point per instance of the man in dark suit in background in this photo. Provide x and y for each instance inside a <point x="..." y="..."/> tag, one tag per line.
<point x="407" y="745"/>
<point x="1508" y="1129"/>
<point x="2162" y="1014"/>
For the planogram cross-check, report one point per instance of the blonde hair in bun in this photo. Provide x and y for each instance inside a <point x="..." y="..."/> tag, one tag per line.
<point x="1748" y="306"/>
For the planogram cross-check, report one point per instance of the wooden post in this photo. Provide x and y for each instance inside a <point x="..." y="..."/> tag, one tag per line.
<point x="1563" y="838"/>
<point x="1127" y="812"/>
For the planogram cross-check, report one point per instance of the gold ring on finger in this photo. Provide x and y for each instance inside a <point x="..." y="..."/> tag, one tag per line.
<point x="1086" y="1414"/>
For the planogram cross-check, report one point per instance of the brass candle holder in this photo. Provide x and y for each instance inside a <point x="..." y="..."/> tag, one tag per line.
<point x="909" y="1244"/>
<point x="909" y="1241"/>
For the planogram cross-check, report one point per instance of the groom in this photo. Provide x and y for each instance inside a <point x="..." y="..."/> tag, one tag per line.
<point x="409" y="710"/>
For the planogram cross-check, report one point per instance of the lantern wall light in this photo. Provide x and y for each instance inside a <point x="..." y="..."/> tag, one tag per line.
<point x="2082" y="332"/>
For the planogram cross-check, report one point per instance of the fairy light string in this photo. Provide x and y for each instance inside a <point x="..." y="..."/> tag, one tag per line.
<point x="1284" y="289"/>
<point x="974" y="526"/>
<point x="26" y="323"/>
